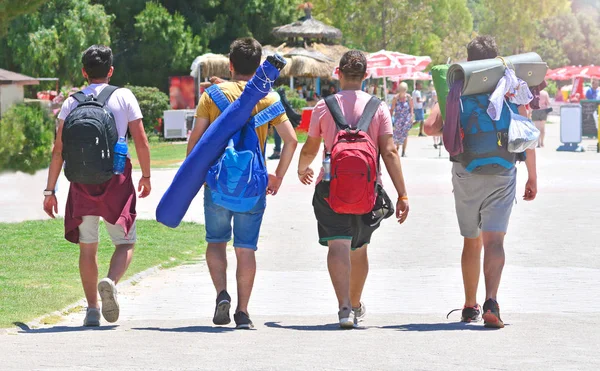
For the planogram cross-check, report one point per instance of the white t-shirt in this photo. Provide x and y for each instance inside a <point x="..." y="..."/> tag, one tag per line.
<point x="417" y="95"/>
<point x="122" y="103"/>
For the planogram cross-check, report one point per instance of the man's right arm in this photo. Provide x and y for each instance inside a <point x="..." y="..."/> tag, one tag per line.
<point x="50" y="202"/>
<point x="434" y="124"/>
<point x="199" y="128"/>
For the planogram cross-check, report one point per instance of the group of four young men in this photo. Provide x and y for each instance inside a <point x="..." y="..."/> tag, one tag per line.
<point x="483" y="202"/>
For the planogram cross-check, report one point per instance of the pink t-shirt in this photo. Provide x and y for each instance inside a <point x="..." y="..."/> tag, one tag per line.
<point x="352" y="103"/>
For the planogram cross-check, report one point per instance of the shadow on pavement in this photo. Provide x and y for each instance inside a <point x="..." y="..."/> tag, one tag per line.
<point x="206" y="329"/>
<point x="327" y="327"/>
<point x="58" y="329"/>
<point x="448" y="326"/>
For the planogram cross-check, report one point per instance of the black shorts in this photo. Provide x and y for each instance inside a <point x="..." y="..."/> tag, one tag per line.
<point x="539" y="115"/>
<point x="334" y="226"/>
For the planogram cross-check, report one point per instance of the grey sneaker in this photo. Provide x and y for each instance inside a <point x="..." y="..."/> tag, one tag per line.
<point x="243" y="321"/>
<point x="359" y="313"/>
<point x="92" y="318"/>
<point x="110" y="305"/>
<point x="221" y="316"/>
<point x="346" y="317"/>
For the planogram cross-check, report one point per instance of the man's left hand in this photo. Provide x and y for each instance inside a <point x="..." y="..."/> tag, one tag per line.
<point x="274" y="184"/>
<point x="530" y="190"/>
<point x="144" y="187"/>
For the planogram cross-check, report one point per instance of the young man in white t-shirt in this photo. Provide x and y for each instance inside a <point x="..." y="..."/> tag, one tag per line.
<point x="113" y="200"/>
<point x="418" y="107"/>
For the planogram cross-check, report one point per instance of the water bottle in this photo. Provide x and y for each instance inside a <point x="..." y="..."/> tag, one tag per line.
<point x="327" y="167"/>
<point x="120" y="156"/>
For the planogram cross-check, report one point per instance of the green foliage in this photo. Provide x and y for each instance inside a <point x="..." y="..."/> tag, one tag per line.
<point x="414" y="27"/>
<point x="49" y="42"/>
<point x="513" y="22"/>
<point x="26" y="135"/>
<point x="552" y="88"/>
<point x="10" y="9"/>
<point x="297" y="103"/>
<point x="152" y="103"/>
<point x="164" y="46"/>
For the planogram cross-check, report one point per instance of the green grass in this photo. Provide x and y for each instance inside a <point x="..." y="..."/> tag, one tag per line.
<point x="171" y="154"/>
<point x="162" y="154"/>
<point x="39" y="269"/>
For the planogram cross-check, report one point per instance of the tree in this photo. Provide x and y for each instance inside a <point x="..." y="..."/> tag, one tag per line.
<point x="49" y="42"/>
<point x="513" y="22"/>
<point x="10" y="9"/>
<point x="414" y="27"/>
<point x="165" y="47"/>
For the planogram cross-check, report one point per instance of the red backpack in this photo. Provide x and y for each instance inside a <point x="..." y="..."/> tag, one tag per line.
<point x="354" y="162"/>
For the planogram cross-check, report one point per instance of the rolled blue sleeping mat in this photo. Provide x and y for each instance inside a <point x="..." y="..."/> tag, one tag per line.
<point x="192" y="173"/>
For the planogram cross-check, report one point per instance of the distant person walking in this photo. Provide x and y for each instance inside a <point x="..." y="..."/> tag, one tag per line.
<point x="418" y="106"/>
<point x="402" y="114"/>
<point x="540" y="116"/>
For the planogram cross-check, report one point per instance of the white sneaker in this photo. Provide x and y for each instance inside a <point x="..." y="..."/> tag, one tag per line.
<point x="360" y="313"/>
<point x="110" y="305"/>
<point x="92" y="318"/>
<point x="346" y="317"/>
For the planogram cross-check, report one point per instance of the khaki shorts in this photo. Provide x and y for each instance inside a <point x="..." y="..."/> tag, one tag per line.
<point x="90" y="227"/>
<point x="483" y="202"/>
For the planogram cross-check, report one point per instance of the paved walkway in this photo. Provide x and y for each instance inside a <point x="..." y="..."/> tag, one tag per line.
<point x="547" y="294"/>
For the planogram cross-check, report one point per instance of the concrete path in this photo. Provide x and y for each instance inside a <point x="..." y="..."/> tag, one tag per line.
<point x="547" y="295"/>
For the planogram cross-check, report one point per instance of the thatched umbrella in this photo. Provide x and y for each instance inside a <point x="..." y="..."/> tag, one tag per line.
<point x="308" y="29"/>
<point x="210" y="65"/>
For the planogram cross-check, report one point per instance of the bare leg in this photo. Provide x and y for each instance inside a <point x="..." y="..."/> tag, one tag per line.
<point x="338" y="263"/>
<point x="471" y="268"/>
<point x="246" y="271"/>
<point x="404" y="147"/>
<point x="88" y="270"/>
<point x="493" y="262"/>
<point x="216" y="259"/>
<point x="541" y="126"/>
<point x="120" y="262"/>
<point x="358" y="274"/>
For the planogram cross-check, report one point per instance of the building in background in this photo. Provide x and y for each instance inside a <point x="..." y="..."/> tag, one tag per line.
<point x="12" y="88"/>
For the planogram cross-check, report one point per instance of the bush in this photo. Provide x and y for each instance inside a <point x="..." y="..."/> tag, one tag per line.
<point x="297" y="103"/>
<point x="26" y="136"/>
<point x="552" y="88"/>
<point x="152" y="103"/>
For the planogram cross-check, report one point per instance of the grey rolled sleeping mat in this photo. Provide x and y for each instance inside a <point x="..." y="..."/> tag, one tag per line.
<point x="480" y="77"/>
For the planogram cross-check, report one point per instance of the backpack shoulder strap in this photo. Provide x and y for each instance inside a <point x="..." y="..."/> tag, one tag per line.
<point x="370" y="110"/>
<point x="80" y="97"/>
<point x="106" y="93"/>
<point x="268" y="114"/>
<point x="336" y="112"/>
<point x="216" y="94"/>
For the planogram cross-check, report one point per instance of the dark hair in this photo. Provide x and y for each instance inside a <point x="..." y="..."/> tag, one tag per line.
<point x="245" y="55"/>
<point x="482" y="47"/>
<point x="353" y="65"/>
<point x="97" y="61"/>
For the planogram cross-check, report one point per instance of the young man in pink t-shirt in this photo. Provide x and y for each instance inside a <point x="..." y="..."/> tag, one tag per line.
<point x="347" y="235"/>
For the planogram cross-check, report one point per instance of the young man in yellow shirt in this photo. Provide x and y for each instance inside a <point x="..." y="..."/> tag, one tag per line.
<point x="245" y="56"/>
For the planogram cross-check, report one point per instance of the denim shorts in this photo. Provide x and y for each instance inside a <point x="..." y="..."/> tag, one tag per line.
<point x="246" y="226"/>
<point x="419" y="114"/>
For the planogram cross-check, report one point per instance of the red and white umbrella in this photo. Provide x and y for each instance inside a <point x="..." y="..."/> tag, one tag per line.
<point x="569" y="72"/>
<point x="390" y="64"/>
<point x="393" y="64"/>
<point x="419" y="76"/>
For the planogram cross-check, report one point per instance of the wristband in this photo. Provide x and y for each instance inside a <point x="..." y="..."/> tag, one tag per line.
<point x="403" y="198"/>
<point x="302" y="173"/>
<point x="146" y="177"/>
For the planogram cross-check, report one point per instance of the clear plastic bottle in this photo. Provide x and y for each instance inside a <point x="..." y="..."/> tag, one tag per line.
<point x="327" y="167"/>
<point x="120" y="156"/>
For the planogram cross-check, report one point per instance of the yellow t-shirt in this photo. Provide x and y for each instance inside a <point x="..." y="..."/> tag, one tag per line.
<point x="208" y="109"/>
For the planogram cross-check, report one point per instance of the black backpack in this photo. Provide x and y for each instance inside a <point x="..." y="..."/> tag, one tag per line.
<point x="89" y="136"/>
